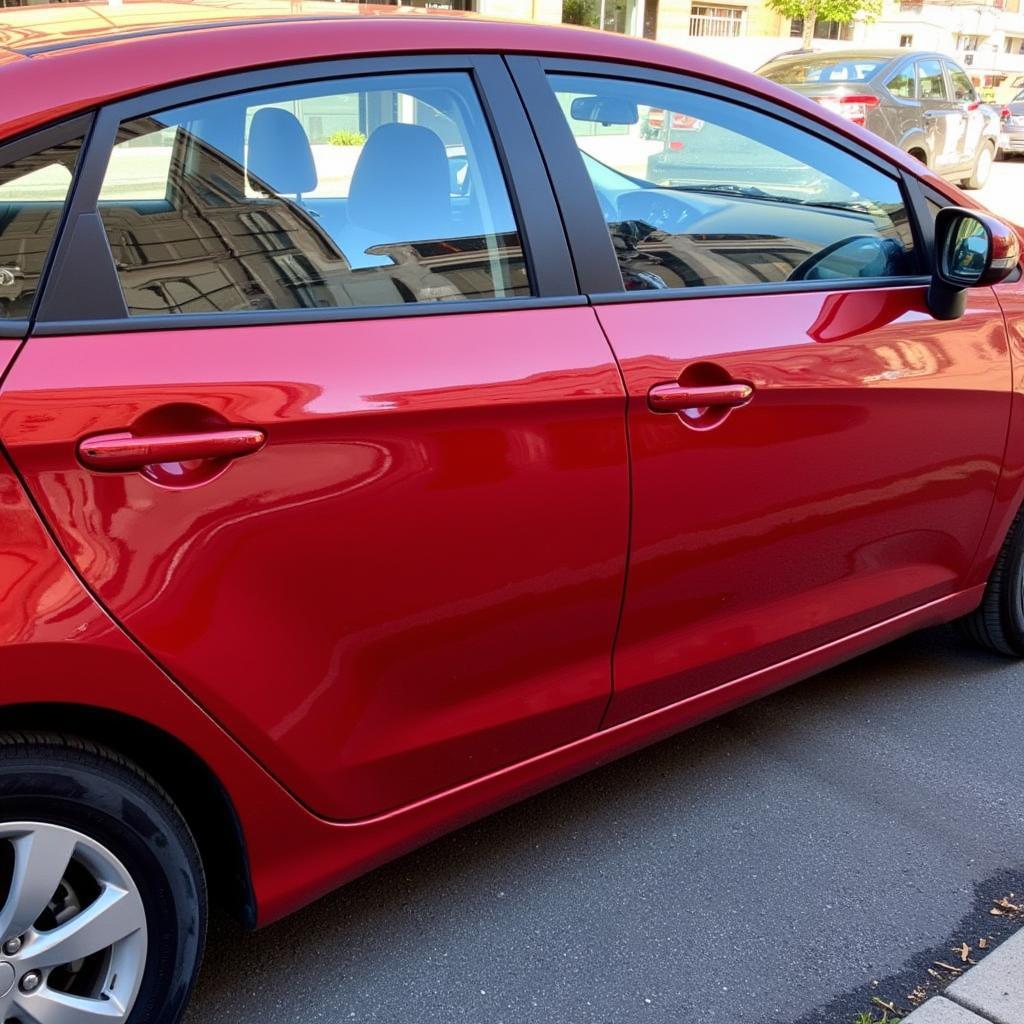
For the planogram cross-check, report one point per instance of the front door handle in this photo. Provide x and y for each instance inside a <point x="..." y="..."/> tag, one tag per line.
<point x="124" y="451"/>
<point x="675" y="397"/>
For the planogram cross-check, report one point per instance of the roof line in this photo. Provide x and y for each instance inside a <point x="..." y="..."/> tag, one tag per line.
<point x="270" y="19"/>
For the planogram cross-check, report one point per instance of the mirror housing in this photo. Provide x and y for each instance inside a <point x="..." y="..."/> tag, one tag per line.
<point x="604" y="110"/>
<point x="972" y="250"/>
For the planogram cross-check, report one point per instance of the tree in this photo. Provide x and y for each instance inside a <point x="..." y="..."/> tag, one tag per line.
<point x="811" y="11"/>
<point x="581" y="12"/>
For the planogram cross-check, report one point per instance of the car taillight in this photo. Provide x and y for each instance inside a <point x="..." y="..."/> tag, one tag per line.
<point x="1004" y="114"/>
<point x="853" y="108"/>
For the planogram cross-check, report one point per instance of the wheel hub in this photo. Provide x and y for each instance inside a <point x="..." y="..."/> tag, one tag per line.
<point x="72" y="928"/>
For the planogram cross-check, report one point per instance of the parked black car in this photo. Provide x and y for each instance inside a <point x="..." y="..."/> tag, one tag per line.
<point x="922" y="102"/>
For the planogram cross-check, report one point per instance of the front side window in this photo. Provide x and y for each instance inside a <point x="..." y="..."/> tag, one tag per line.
<point x="33" y="192"/>
<point x="370" y="191"/>
<point x="963" y="91"/>
<point x="699" y="192"/>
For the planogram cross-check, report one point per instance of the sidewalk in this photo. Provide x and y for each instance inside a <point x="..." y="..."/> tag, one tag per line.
<point x="991" y="993"/>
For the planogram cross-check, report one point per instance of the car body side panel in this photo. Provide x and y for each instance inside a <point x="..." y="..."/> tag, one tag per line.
<point x="855" y="485"/>
<point x="58" y="646"/>
<point x="8" y="350"/>
<point x="416" y="580"/>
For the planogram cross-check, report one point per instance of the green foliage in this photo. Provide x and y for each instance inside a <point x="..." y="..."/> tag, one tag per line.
<point x="581" y="12"/>
<point x="828" y="10"/>
<point x="870" y="1018"/>
<point x="346" y="138"/>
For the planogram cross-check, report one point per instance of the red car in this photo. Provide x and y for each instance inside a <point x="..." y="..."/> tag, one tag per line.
<point x="392" y="427"/>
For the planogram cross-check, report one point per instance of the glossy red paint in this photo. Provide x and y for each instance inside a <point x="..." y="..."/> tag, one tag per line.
<point x="408" y="583"/>
<point x="401" y="611"/>
<point x="797" y="520"/>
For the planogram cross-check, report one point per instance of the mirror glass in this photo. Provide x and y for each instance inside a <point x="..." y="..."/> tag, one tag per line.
<point x="966" y="250"/>
<point x="604" y="110"/>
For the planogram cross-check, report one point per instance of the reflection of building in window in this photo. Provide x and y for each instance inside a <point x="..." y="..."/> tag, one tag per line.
<point x="717" y="21"/>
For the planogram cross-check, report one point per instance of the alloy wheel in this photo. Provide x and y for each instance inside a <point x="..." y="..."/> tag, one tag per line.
<point x="73" y="934"/>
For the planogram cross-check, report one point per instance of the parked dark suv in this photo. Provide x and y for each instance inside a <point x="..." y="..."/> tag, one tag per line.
<point x="922" y="102"/>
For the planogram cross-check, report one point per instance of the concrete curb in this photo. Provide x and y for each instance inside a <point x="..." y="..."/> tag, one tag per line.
<point x="991" y="993"/>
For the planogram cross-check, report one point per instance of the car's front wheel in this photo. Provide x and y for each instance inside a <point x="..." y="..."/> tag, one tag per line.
<point x="103" y="912"/>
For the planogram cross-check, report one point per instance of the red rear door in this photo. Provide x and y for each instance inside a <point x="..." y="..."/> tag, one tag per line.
<point x="347" y="461"/>
<point x="812" y="452"/>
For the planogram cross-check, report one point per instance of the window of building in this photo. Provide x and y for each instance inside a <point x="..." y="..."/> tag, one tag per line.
<point x="33" y="191"/>
<point x="717" y="21"/>
<point x="359" y="192"/>
<point x="700" y="192"/>
<point x="967" y="43"/>
<point x="823" y="29"/>
<point x="906" y="41"/>
<point x="1014" y="44"/>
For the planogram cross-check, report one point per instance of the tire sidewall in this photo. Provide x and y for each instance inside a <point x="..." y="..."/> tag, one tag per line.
<point x="136" y="829"/>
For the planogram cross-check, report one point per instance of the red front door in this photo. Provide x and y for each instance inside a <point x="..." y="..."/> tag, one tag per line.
<point x="854" y="484"/>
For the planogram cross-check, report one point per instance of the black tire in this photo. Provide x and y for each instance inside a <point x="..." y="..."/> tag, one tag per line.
<point x="998" y="622"/>
<point x="59" y="780"/>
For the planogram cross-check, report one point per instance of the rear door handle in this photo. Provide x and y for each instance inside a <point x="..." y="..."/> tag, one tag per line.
<point x="126" y="451"/>
<point x="676" y="397"/>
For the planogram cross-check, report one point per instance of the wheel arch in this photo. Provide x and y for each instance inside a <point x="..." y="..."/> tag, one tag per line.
<point x="189" y="781"/>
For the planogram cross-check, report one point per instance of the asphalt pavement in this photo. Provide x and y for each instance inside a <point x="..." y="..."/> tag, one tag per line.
<point x="785" y="863"/>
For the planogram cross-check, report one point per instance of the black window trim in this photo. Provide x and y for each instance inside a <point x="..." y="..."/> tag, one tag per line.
<point x="73" y="302"/>
<point x="596" y="266"/>
<point x="36" y="141"/>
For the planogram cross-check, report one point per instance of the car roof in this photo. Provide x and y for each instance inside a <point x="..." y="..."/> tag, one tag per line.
<point x="59" y="60"/>
<point x="65" y="59"/>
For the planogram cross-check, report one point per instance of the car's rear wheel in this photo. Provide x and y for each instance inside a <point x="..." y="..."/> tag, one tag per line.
<point x="982" y="167"/>
<point x="102" y="894"/>
<point x="998" y="622"/>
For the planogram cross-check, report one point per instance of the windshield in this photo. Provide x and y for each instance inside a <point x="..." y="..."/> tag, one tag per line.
<point x="822" y="68"/>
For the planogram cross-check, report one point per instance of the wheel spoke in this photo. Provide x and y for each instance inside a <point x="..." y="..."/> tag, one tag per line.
<point x="40" y="859"/>
<point x="48" y="1006"/>
<point x="112" y="916"/>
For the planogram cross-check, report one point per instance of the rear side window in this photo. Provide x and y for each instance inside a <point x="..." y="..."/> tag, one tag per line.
<point x="369" y="191"/>
<point x="902" y="85"/>
<point x="700" y="192"/>
<point x="33" y="192"/>
<point x="931" y="83"/>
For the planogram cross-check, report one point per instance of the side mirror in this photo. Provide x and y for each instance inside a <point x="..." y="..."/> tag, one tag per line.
<point x="972" y="250"/>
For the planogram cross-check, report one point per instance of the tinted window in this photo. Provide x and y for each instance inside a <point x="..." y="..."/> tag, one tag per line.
<point x="700" y="192"/>
<point x="963" y="91"/>
<point x="822" y="68"/>
<point x="356" y="192"/>
<point x="902" y="83"/>
<point x="931" y="84"/>
<point x="32" y="195"/>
